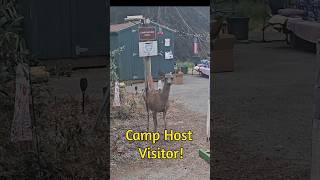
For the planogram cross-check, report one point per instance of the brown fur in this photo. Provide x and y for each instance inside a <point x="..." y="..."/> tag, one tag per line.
<point x="157" y="101"/>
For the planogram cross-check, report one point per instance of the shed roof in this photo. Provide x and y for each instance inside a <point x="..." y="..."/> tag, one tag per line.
<point x="122" y="26"/>
<point x="119" y="27"/>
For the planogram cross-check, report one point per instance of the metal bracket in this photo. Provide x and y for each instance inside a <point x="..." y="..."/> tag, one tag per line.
<point x="80" y="50"/>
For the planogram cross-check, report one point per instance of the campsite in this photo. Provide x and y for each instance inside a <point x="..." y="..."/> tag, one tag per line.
<point x="171" y="73"/>
<point x="94" y="91"/>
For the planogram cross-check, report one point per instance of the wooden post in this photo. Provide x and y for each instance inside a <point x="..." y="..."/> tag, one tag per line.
<point x="147" y="60"/>
<point x="315" y="166"/>
<point x="147" y="74"/>
<point x="147" y="69"/>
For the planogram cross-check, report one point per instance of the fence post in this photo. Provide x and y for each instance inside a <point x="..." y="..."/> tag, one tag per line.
<point x="315" y="159"/>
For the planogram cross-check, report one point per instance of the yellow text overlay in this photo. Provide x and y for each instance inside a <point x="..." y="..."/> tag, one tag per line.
<point x="154" y="137"/>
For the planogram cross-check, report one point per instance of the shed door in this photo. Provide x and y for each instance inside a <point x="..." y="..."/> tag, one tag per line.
<point x="90" y="27"/>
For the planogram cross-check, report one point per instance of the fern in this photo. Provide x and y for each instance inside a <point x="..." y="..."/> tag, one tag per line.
<point x="13" y="48"/>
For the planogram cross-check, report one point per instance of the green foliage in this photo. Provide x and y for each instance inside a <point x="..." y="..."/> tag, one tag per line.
<point x="256" y="10"/>
<point x="185" y="63"/>
<point x="113" y="64"/>
<point x="13" y="48"/>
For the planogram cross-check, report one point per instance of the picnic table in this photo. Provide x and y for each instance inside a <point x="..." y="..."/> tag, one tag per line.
<point x="307" y="30"/>
<point x="205" y="71"/>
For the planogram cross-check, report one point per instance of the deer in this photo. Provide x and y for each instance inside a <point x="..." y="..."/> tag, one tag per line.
<point x="157" y="101"/>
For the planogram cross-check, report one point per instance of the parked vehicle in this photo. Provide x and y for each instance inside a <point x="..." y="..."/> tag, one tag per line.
<point x="203" y="67"/>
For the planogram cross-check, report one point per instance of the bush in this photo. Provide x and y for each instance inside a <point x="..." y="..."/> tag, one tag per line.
<point x="185" y="63"/>
<point x="255" y="9"/>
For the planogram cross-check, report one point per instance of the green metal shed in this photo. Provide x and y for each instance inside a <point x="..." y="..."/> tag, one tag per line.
<point x="65" y="29"/>
<point x="130" y="65"/>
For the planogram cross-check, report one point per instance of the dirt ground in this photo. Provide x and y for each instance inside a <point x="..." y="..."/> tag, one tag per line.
<point x="263" y="114"/>
<point x="187" y="112"/>
<point x="126" y="162"/>
<point x="70" y="86"/>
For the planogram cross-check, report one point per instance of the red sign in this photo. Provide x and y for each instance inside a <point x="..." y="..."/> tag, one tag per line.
<point x="147" y="34"/>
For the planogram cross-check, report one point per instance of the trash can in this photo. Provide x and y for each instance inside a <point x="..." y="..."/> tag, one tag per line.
<point x="178" y="78"/>
<point x="238" y="26"/>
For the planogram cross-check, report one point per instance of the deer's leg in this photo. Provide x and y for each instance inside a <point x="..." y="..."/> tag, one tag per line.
<point x="147" y="108"/>
<point x="164" y="119"/>
<point x="148" y="121"/>
<point x="155" y="120"/>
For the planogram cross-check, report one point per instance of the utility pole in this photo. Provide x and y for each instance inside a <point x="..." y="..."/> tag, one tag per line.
<point x="315" y="159"/>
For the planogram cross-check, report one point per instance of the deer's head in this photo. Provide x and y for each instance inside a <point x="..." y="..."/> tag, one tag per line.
<point x="168" y="79"/>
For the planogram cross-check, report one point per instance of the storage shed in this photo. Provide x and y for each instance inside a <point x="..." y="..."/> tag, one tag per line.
<point x="65" y="29"/>
<point x="130" y="65"/>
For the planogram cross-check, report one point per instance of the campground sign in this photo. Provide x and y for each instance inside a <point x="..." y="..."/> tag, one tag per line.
<point x="148" y="46"/>
<point x="147" y="34"/>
